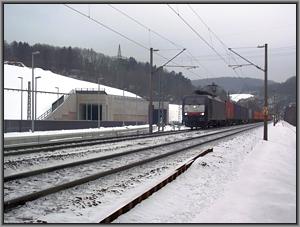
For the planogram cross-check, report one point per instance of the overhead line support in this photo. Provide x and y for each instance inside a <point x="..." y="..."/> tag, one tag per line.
<point x="265" y="70"/>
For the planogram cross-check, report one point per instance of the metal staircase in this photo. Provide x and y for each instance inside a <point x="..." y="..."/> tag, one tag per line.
<point x="52" y="109"/>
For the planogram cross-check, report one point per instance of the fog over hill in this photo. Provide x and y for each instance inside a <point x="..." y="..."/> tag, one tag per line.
<point x="234" y="84"/>
<point x="280" y="95"/>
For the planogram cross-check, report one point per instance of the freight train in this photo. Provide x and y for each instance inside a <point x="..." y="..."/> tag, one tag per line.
<point x="290" y="114"/>
<point x="206" y="110"/>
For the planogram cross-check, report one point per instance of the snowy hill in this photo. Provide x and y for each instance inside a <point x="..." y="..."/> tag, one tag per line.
<point x="47" y="82"/>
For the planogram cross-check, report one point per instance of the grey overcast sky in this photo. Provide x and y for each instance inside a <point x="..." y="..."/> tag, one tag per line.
<point x="242" y="26"/>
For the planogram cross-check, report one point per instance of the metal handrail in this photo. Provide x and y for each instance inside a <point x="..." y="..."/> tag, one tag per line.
<point x="47" y="113"/>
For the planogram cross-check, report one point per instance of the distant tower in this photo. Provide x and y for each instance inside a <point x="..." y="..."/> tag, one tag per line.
<point x="119" y="52"/>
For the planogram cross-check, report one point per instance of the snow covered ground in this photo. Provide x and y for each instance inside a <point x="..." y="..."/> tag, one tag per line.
<point x="244" y="180"/>
<point x="71" y="131"/>
<point x="256" y="186"/>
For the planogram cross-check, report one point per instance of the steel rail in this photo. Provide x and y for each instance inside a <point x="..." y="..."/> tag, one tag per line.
<point x="55" y="145"/>
<point x="50" y="146"/>
<point x="9" y="204"/>
<point x="101" y="158"/>
<point x="148" y="192"/>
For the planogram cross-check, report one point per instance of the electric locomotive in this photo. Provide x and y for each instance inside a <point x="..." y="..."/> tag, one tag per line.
<point x="211" y="107"/>
<point x="203" y="110"/>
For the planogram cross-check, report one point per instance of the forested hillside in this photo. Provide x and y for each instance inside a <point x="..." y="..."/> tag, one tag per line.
<point x="280" y="95"/>
<point x="88" y="65"/>
<point x="128" y="74"/>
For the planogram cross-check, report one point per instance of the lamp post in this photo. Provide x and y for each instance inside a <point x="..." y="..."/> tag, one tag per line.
<point x="150" y="110"/>
<point x="21" y="96"/>
<point x="38" y="77"/>
<point x="32" y="81"/>
<point x="123" y="123"/>
<point x="57" y="92"/>
<point x="136" y="109"/>
<point x="99" y="115"/>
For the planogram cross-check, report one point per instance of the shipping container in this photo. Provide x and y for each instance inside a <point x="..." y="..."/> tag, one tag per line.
<point x="217" y="110"/>
<point x="250" y="114"/>
<point x="240" y="113"/>
<point x="258" y="116"/>
<point x="245" y="115"/>
<point x="229" y="110"/>
<point x="237" y="111"/>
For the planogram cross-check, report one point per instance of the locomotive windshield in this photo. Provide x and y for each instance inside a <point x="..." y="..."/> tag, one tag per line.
<point x="194" y="100"/>
<point x="194" y="104"/>
<point x="194" y="108"/>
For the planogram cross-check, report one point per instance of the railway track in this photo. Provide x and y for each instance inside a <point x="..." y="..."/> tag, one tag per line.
<point x="31" y="161"/>
<point x="55" y="145"/>
<point x="10" y="150"/>
<point x="62" y="157"/>
<point x="103" y="157"/>
<point x="148" y="192"/>
<point x="92" y="169"/>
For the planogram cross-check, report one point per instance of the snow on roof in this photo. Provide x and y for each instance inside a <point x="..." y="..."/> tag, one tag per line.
<point x="47" y="82"/>
<point x="237" y="97"/>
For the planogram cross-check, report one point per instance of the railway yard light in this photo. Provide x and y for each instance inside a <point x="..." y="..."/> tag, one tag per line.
<point x="32" y="90"/>
<point x="20" y="77"/>
<point x="38" y="77"/>
<point x="136" y="109"/>
<point x="57" y="88"/>
<point x="150" y="117"/>
<point x="123" y="123"/>
<point x="99" y="115"/>
<point x="150" y="111"/>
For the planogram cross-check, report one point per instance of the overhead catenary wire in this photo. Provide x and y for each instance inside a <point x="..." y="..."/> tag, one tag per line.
<point x="217" y="37"/>
<point x="223" y="44"/>
<point x="210" y="30"/>
<point x="144" y="26"/>
<point x="247" y="54"/>
<point x="207" y="43"/>
<point x="197" y="33"/>
<point x="115" y="31"/>
<point x="107" y="27"/>
<point x="252" y="47"/>
<point x="159" y="35"/>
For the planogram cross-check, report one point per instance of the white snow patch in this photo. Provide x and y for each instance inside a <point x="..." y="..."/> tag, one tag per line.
<point x="71" y="131"/>
<point x="47" y="82"/>
<point x="237" y="97"/>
